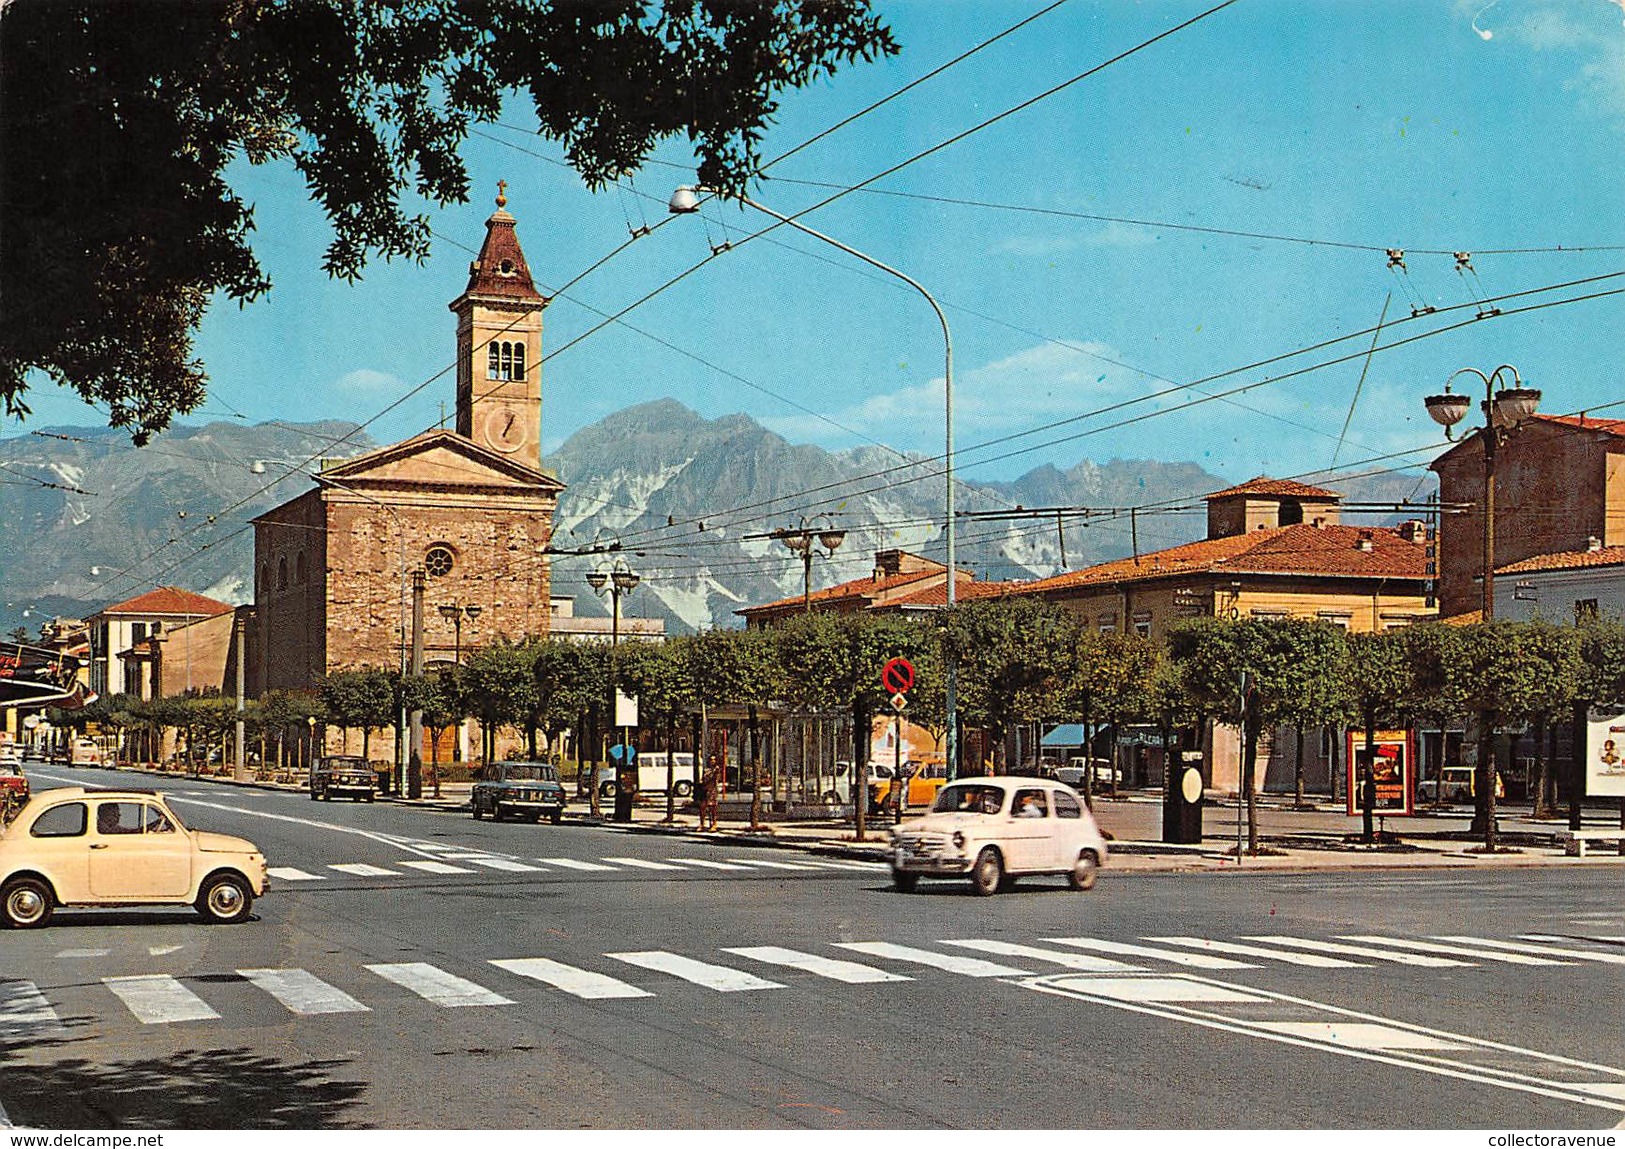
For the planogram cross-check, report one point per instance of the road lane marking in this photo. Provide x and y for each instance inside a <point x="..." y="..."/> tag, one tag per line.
<point x="580" y="982"/>
<point x="303" y="992"/>
<point x="773" y="865"/>
<point x="1362" y="951"/>
<point x="854" y="973"/>
<point x="953" y="963"/>
<point x="717" y="977"/>
<point x="294" y="874"/>
<point x="158" y="999"/>
<point x="163" y="951"/>
<point x="1196" y="961"/>
<point x="710" y="865"/>
<point x="436" y="986"/>
<point x="1168" y="988"/>
<point x="1071" y="961"/>
<point x="1539" y="951"/>
<point x="86" y="953"/>
<point x="25" y="1012"/>
<point x="1243" y="950"/>
<point x="574" y="864"/>
<point x="1454" y="951"/>
<point x="1363" y="1036"/>
<point x="506" y="864"/>
<point x="640" y="864"/>
<point x="430" y="867"/>
<point x="363" y="870"/>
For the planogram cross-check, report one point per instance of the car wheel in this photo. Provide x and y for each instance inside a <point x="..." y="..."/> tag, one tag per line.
<point x="558" y="816"/>
<point x="1085" y="870"/>
<point x="831" y="798"/>
<point x="225" y="899"/>
<point x="26" y="903"/>
<point x="988" y="874"/>
<point x="682" y="789"/>
<point x="314" y="795"/>
<point x="903" y="882"/>
<point x="369" y="797"/>
<point x="496" y="812"/>
<point x="474" y="807"/>
<point x="608" y="789"/>
<point x="533" y="818"/>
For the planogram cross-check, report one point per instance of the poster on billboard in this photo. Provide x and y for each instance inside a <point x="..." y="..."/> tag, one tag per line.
<point x="1394" y="752"/>
<point x="1605" y="755"/>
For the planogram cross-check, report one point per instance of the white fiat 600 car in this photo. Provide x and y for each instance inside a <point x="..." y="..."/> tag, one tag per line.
<point x="994" y="830"/>
<point x="83" y="847"/>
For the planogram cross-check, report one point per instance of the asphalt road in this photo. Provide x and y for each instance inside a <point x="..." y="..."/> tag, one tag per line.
<point x="415" y="968"/>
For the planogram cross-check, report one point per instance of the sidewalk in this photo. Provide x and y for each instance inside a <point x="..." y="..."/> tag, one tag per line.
<point x="1319" y="837"/>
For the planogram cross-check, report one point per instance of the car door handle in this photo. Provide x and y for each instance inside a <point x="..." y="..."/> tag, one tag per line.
<point x="98" y="845"/>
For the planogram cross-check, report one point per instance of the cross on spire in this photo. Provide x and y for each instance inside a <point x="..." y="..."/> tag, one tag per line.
<point x="502" y="193"/>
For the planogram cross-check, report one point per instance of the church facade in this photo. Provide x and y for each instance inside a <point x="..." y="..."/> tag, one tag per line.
<point x="470" y="508"/>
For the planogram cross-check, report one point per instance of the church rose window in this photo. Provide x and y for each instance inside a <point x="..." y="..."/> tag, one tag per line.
<point x="438" y="562"/>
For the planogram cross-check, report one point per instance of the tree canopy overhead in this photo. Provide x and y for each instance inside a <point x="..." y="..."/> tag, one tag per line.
<point x="118" y="121"/>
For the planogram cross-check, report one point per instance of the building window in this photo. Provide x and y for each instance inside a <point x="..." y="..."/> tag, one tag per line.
<point x="518" y="360"/>
<point x="1585" y="610"/>
<point x="1107" y="622"/>
<point x="1336" y="618"/>
<point x="439" y="560"/>
<point x="1142" y="623"/>
<point x="282" y="574"/>
<point x="138" y="632"/>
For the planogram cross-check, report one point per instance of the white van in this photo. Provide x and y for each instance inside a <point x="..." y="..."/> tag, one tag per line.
<point x="86" y="752"/>
<point x="652" y="774"/>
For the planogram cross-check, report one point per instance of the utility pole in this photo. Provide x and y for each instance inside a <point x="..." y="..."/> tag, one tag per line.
<point x="414" y="769"/>
<point x="239" y="766"/>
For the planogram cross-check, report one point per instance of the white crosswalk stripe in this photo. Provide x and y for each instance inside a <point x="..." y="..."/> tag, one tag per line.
<point x="1454" y="950"/>
<point x="574" y="864"/>
<point x="294" y="874"/>
<point x="363" y="870"/>
<point x="1244" y="950"/>
<point x="429" y="867"/>
<point x="436" y="986"/>
<point x="303" y="992"/>
<point x="717" y="977"/>
<point x="157" y="999"/>
<point x="1196" y="961"/>
<point x="1540" y="951"/>
<point x="507" y="865"/>
<point x="854" y="973"/>
<point x="1362" y="951"/>
<point x="641" y="864"/>
<point x="953" y="963"/>
<point x="580" y="982"/>
<point x="710" y="865"/>
<point x="1071" y="961"/>
<point x="773" y="865"/>
<point x="25" y="1012"/>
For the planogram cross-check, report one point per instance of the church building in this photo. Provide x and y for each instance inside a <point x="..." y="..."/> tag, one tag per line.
<point x="471" y="508"/>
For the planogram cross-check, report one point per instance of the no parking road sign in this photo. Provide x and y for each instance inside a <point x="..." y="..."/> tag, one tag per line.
<point x="897" y="675"/>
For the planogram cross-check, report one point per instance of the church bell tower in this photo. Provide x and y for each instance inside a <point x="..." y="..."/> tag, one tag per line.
<point x="499" y="346"/>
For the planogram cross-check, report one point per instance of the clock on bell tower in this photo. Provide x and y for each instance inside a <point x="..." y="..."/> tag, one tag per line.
<point x="499" y="346"/>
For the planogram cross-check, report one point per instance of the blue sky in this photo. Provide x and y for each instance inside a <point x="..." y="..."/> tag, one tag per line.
<point x="1148" y="227"/>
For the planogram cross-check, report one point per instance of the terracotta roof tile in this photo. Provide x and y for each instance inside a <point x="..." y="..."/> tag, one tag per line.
<point x="859" y="588"/>
<point x="1567" y="560"/>
<point x="170" y="600"/>
<point x="1302" y="549"/>
<point x="501" y="268"/>
<point x="1607" y="426"/>
<point x="1289" y="488"/>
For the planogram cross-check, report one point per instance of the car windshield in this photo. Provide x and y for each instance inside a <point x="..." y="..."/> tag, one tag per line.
<point x="346" y="763"/>
<point x="971" y="799"/>
<point x="531" y="772"/>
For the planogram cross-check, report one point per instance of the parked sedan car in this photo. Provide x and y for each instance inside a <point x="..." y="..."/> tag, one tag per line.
<point x="346" y="775"/>
<point x="13" y="785"/>
<point x="525" y="789"/>
<point x="81" y="847"/>
<point x="994" y="830"/>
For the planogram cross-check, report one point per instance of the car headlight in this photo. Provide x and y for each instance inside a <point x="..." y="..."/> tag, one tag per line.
<point x="959" y="839"/>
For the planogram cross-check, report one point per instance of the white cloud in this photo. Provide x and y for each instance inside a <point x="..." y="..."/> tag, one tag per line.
<point x="369" y="382"/>
<point x="1583" y="31"/>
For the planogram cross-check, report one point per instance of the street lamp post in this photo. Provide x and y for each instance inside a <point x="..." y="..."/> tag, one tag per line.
<point x="456" y="612"/>
<point x="820" y="529"/>
<point x="616" y="580"/>
<point x="1505" y="409"/>
<point x="685" y="201"/>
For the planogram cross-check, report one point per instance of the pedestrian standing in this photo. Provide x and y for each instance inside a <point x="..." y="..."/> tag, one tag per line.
<point x="708" y="794"/>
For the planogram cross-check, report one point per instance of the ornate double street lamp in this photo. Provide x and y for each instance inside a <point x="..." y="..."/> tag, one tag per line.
<point x="455" y="612"/>
<point x="1505" y="409"/>
<point x="686" y="201"/>
<point x="615" y="580"/>
<point x="820" y="529"/>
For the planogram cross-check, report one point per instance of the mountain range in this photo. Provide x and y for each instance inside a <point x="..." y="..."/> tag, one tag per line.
<point x="691" y="502"/>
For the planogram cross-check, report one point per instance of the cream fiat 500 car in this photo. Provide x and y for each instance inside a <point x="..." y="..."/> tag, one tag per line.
<point x="84" y="847"/>
<point x="994" y="830"/>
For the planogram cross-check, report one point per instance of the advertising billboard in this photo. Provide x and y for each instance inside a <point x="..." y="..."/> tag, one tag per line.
<point x="1394" y="752"/>
<point x="1605" y="755"/>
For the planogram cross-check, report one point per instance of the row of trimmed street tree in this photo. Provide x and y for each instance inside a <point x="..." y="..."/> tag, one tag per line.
<point x="1018" y="661"/>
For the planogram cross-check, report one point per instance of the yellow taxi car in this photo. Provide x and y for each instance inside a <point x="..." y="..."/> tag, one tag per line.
<point x="90" y="847"/>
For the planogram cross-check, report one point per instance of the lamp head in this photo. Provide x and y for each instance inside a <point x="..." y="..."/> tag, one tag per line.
<point x="257" y="466"/>
<point x="625" y="580"/>
<point x="683" y="201"/>
<point x="597" y="580"/>
<point x="1448" y="409"/>
<point x="1513" y="405"/>
<point x="448" y="610"/>
<point x="831" y="539"/>
<point x="473" y="611"/>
